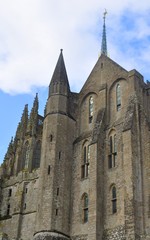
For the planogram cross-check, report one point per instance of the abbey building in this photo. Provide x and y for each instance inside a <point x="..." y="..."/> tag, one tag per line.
<point x="81" y="171"/>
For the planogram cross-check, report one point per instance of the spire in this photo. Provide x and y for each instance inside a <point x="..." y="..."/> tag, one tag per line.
<point x="104" y="42"/>
<point x="10" y="148"/>
<point x="33" y="118"/>
<point x="24" y="121"/>
<point x="59" y="82"/>
<point x="36" y="103"/>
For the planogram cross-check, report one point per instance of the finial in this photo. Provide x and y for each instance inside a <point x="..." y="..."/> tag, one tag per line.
<point x="61" y="50"/>
<point x="104" y="42"/>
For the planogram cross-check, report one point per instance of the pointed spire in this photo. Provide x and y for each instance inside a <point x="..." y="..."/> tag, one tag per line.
<point x="32" y="123"/>
<point x="10" y="147"/>
<point x="104" y="41"/>
<point x="24" y="121"/>
<point x="36" y="103"/>
<point x="59" y="82"/>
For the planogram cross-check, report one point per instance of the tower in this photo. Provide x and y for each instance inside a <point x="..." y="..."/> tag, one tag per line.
<point x="53" y="216"/>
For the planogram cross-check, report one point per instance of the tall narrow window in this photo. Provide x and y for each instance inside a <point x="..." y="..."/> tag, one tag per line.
<point x="115" y="151"/>
<point x="56" y="212"/>
<point x="91" y="105"/>
<point x="85" y="205"/>
<point x="114" y="200"/>
<point x="112" y="157"/>
<point x="49" y="170"/>
<point x="86" y="159"/>
<point x="10" y="192"/>
<point x="8" y="209"/>
<point x="59" y="155"/>
<point x="37" y="155"/>
<point x="57" y="191"/>
<point x="118" y="97"/>
<point x="84" y="154"/>
<point x="51" y="137"/>
<point x="26" y="155"/>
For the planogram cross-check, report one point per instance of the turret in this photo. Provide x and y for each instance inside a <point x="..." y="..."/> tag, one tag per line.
<point x="53" y="216"/>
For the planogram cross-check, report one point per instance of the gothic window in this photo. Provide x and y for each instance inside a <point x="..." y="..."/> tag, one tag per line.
<point x="118" y="97"/>
<point x="26" y="155"/>
<point x="86" y="159"/>
<point x="85" y="208"/>
<point x="37" y="155"/>
<point x="91" y="105"/>
<point x="112" y="157"/>
<point x="114" y="200"/>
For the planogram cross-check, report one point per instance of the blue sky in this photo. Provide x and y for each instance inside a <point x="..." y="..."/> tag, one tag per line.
<point x="32" y="32"/>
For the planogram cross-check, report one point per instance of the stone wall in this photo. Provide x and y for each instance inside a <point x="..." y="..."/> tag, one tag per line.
<point x="117" y="233"/>
<point x="20" y="193"/>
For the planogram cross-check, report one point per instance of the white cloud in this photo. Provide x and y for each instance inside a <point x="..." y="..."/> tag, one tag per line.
<point x="33" y="31"/>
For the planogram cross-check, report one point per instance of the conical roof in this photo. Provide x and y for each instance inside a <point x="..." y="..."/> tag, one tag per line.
<point x="60" y="74"/>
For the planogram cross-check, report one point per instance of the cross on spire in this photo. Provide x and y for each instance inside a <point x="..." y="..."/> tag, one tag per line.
<point x="104" y="42"/>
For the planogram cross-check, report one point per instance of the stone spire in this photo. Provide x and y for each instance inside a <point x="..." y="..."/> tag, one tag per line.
<point x="10" y="148"/>
<point x="32" y="123"/>
<point x="59" y="82"/>
<point x="104" y="41"/>
<point x="22" y="126"/>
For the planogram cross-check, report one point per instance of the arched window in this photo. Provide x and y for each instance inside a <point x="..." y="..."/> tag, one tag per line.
<point x="91" y="105"/>
<point x="112" y="157"/>
<point x="37" y="155"/>
<point x="118" y="97"/>
<point x="26" y="155"/>
<point x="86" y="160"/>
<point x="114" y="200"/>
<point x="85" y="208"/>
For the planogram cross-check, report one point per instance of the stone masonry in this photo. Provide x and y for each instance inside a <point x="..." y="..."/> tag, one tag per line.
<point x="81" y="171"/>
